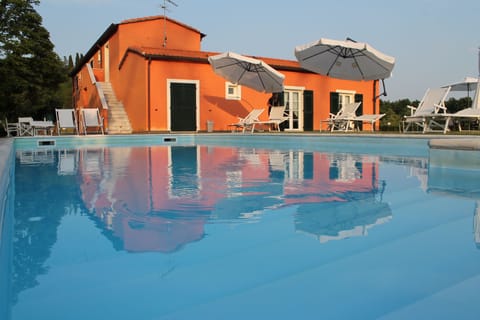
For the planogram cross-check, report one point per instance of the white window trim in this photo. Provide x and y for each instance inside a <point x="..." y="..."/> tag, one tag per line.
<point x="300" y="109"/>
<point x="237" y="94"/>
<point x="346" y="91"/>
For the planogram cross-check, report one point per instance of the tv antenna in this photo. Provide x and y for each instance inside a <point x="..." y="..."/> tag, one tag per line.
<point x="165" y="9"/>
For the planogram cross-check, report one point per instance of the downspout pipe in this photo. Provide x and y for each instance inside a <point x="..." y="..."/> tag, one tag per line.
<point x="149" y="93"/>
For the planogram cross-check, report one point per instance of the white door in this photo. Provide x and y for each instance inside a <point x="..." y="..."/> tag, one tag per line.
<point x="294" y="109"/>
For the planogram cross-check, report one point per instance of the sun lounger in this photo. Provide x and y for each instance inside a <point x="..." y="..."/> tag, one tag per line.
<point x="368" y="118"/>
<point x="248" y="121"/>
<point x="429" y="115"/>
<point x="66" y="121"/>
<point x="467" y="115"/>
<point x="275" y="118"/>
<point x="344" y="120"/>
<point x="91" y="119"/>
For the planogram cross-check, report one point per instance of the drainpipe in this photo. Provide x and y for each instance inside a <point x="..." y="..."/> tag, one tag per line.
<point x="148" y="93"/>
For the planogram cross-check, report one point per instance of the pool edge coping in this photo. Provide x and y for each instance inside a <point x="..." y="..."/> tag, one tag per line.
<point x="6" y="156"/>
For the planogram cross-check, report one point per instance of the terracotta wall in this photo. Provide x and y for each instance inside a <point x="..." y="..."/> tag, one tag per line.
<point x="213" y="105"/>
<point x="150" y="33"/>
<point x="130" y="86"/>
<point x="88" y="95"/>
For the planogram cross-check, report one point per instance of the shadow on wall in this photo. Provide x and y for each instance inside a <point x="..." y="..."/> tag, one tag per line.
<point x="236" y="108"/>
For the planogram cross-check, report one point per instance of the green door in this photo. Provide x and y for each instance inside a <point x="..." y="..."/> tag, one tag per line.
<point x="183" y="108"/>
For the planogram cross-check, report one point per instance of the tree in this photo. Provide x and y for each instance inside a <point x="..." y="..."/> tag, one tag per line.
<point x="30" y="71"/>
<point x="394" y="112"/>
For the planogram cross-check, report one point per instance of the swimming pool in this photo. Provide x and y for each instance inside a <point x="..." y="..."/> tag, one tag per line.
<point x="240" y="227"/>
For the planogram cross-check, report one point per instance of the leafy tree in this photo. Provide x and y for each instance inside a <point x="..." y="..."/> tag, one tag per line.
<point x="30" y="71"/>
<point x="453" y="105"/>
<point x="394" y="112"/>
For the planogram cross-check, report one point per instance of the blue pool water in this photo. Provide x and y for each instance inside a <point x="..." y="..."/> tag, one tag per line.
<point x="218" y="229"/>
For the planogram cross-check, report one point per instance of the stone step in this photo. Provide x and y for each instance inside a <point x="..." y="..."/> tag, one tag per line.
<point x="118" y="121"/>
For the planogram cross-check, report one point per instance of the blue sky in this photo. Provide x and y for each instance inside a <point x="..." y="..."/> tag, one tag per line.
<point x="434" y="42"/>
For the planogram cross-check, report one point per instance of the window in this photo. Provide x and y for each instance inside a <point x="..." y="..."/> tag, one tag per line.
<point x="99" y="58"/>
<point x="341" y="97"/>
<point x="345" y="97"/>
<point x="233" y="91"/>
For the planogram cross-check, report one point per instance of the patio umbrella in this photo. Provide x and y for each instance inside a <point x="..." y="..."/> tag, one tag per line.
<point x="247" y="71"/>
<point x="347" y="59"/>
<point x="468" y="84"/>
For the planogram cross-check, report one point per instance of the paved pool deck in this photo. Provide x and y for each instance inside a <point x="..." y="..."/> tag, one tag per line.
<point x="467" y="143"/>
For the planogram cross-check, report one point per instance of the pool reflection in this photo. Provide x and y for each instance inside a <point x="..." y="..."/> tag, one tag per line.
<point x="457" y="176"/>
<point x="165" y="200"/>
<point x="160" y="198"/>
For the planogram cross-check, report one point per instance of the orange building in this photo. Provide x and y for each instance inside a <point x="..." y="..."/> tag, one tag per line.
<point x="150" y="75"/>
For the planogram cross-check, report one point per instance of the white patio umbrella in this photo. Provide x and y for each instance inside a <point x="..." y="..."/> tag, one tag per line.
<point x="347" y="59"/>
<point x="466" y="84"/>
<point x="247" y="71"/>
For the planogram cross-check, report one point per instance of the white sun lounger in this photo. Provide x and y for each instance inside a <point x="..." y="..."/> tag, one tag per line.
<point x="248" y="121"/>
<point x="66" y="121"/>
<point x="429" y="113"/>
<point x="368" y="118"/>
<point x="91" y="119"/>
<point x="275" y="118"/>
<point x="467" y="115"/>
<point x="344" y="119"/>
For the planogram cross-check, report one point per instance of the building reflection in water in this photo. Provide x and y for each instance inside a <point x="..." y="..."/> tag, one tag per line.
<point x="160" y="198"/>
<point x="342" y="199"/>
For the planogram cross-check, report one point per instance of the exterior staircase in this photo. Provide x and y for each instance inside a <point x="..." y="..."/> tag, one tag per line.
<point x="118" y="122"/>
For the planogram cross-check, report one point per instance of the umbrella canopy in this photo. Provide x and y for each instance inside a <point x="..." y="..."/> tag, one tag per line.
<point x="467" y="84"/>
<point x="345" y="60"/>
<point x="247" y="71"/>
